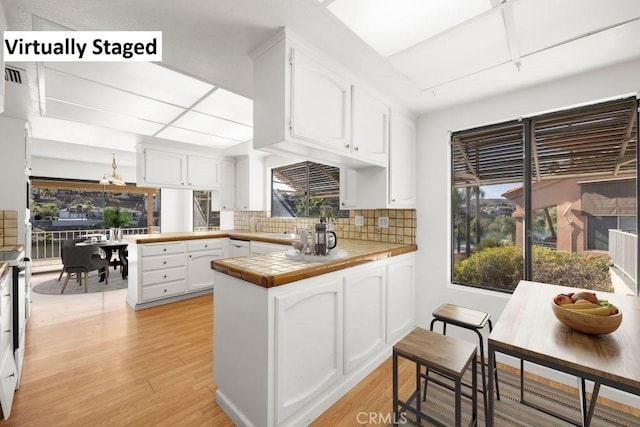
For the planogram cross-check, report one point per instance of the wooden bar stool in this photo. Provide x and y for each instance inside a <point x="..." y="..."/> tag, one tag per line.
<point x="469" y="319"/>
<point x="449" y="357"/>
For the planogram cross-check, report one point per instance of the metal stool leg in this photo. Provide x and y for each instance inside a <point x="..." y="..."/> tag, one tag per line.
<point x="484" y="378"/>
<point x="426" y="375"/>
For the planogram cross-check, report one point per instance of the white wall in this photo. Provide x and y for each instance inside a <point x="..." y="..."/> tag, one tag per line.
<point x="433" y="263"/>
<point x="13" y="179"/>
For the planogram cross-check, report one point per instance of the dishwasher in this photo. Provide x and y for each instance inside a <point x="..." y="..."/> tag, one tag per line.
<point x="239" y="247"/>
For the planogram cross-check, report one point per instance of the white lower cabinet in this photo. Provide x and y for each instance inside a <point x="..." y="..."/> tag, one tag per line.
<point x="258" y="247"/>
<point x="283" y="355"/>
<point x="308" y="340"/>
<point x="400" y="298"/>
<point x="201" y="253"/>
<point x="8" y="370"/>
<point x="171" y="269"/>
<point x="364" y="316"/>
<point x="163" y="273"/>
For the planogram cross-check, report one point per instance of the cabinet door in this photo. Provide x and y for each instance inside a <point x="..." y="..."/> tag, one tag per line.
<point x="200" y="272"/>
<point x="203" y="172"/>
<point x="402" y="169"/>
<point x="164" y="168"/>
<point x="348" y="188"/>
<point x="320" y="103"/>
<point x="308" y="333"/>
<point x="364" y="316"/>
<point x="400" y="298"/>
<point x="228" y="202"/>
<point x="242" y="184"/>
<point x="370" y="127"/>
<point x="8" y="382"/>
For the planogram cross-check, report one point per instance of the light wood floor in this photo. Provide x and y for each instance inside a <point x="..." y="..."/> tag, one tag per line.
<point x="91" y="360"/>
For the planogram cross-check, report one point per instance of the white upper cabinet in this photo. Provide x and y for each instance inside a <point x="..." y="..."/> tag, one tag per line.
<point x="228" y="197"/>
<point x="203" y="172"/>
<point x="166" y="168"/>
<point x="320" y="103"/>
<point x="243" y="184"/>
<point x="402" y="166"/>
<point x="348" y="188"/>
<point x="163" y="168"/>
<point x="303" y="107"/>
<point x="369" y="126"/>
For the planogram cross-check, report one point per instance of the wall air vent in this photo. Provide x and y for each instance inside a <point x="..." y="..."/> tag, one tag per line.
<point x="12" y="75"/>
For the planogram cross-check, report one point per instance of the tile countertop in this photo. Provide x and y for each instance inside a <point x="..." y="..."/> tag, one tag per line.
<point x="195" y="235"/>
<point x="274" y="269"/>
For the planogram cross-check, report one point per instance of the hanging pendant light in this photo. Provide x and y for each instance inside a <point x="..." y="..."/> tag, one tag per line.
<point x="114" y="178"/>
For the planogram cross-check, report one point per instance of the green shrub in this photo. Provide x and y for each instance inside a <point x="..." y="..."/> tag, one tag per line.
<point x="501" y="268"/>
<point x="488" y="242"/>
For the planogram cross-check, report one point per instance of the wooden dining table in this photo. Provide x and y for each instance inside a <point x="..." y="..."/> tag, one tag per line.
<point x="527" y="329"/>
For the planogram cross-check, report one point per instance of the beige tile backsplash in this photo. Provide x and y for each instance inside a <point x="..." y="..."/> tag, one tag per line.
<point x="402" y="224"/>
<point x="8" y="228"/>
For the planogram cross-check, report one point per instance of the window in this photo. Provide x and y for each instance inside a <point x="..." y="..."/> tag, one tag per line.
<point x="306" y="189"/>
<point x="204" y="219"/>
<point x="68" y="209"/>
<point x="539" y="199"/>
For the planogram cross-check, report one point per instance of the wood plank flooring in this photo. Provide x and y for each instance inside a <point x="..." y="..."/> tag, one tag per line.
<point x="92" y="360"/>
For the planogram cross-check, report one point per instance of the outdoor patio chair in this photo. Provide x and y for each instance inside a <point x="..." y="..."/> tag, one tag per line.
<point x="83" y="259"/>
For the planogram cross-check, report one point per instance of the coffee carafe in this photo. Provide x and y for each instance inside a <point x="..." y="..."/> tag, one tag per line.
<point x="323" y="240"/>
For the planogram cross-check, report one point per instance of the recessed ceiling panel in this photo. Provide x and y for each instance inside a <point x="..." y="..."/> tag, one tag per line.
<point x="543" y="23"/>
<point x="198" y="138"/>
<point x="463" y="51"/>
<point x="204" y="123"/>
<point x="142" y="78"/>
<point x="72" y="112"/>
<point x="390" y="26"/>
<point x="227" y="105"/>
<point x="47" y="128"/>
<point x="79" y="91"/>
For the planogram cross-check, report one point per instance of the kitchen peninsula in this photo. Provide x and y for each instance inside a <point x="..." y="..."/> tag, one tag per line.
<point x="291" y="337"/>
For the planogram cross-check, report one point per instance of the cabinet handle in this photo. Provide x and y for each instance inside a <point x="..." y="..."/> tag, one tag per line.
<point x="164" y="250"/>
<point x="342" y="203"/>
<point x="206" y="246"/>
<point x="189" y="255"/>
<point x="393" y="200"/>
<point x="8" y="330"/>
<point x="346" y="145"/>
<point x="165" y="276"/>
<point x="6" y="295"/>
<point x="12" y="375"/>
<point x="355" y="148"/>
<point x="164" y="290"/>
<point x="164" y="262"/>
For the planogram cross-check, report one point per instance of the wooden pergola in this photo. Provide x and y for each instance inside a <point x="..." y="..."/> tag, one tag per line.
<point x="586" y="141"/>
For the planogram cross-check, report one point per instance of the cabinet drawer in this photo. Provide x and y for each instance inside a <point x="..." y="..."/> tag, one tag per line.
<point x="5" y="332"/>
<point x="203" y="245"/>
<point x="162" y="262"/>
<point x="163" y="290"/>
<point x="163" y="276"/>
<point x="163" y="248"/>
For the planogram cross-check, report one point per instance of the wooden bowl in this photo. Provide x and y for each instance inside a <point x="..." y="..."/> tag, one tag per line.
<point x="587" y="323"/>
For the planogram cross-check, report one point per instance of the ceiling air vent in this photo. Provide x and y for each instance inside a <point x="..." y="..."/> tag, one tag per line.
<point x="12" y="75"/>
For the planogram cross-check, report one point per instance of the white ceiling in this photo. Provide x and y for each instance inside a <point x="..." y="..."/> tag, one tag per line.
<point x="423" y="54"/>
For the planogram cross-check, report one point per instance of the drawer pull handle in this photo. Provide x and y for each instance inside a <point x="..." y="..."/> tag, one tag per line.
<point x="12" y="375"/>
<point x="6" y="295"/>
<point x="164" y="262"/>
<point x="8" y="330"/>
<point x="206" y="246"/>
<point x="164" y="250"/>
<point x="164" y="290"/>
<point x="165" y="276"/>
<point x="189" y="255"/>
